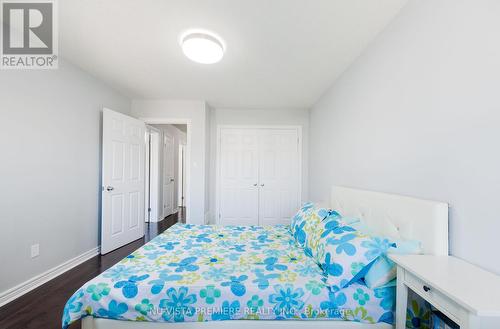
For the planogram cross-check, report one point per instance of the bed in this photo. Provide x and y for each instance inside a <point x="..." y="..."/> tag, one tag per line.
<point x="197" y="276"/>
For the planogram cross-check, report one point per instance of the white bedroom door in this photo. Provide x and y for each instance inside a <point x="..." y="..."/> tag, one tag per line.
<point x="123" y="160"/>
<point x="168" y="174"/>
<point x="239" y="177"/>
<point x="259" y="176"/>
<point x="278" y="176"/>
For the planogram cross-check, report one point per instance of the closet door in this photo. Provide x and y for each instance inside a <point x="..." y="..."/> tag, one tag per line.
<point x="239" y="176"/>
<point x="279" y="175"/>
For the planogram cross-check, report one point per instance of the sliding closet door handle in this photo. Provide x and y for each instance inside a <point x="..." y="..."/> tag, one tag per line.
<point x="261" y="185"/>
<point x="255" y="184"/>
<point x="109" y="188"/>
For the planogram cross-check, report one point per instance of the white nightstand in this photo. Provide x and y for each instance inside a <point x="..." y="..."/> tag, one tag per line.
<point x="465" y="293"/>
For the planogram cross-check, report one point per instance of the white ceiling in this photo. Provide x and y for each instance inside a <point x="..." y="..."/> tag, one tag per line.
<point x="280" y="53"/>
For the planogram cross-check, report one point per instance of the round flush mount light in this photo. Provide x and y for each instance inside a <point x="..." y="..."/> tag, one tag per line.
<point x="202" y="46"/>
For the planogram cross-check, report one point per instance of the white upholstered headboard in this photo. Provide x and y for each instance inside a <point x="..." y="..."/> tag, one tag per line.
<point x="397" y="216"/>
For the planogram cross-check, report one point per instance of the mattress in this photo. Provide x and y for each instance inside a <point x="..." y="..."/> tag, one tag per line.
<point x="213" y="273"/>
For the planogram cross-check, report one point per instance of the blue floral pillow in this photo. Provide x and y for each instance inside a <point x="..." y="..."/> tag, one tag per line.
<point x="306" y="226"/>
<point x="300" y="216"/>
<point x="345" y="254"/>
<point x="383" y="269"/>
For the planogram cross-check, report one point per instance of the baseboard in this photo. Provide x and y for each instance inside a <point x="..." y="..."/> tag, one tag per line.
<point x="25" y="287"/>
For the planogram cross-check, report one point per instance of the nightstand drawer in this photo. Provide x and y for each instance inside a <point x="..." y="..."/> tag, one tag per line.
<point x="436" y="298"/>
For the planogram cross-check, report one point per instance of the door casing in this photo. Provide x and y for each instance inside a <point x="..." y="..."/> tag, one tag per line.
<point x="152" y="191"/>
<point x="168" y="174"/>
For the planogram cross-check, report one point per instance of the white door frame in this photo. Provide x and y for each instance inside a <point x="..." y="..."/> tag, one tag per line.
<point x="181" y="175"/>
<point x="168" y="181"/>
<point x="147" y="138"/>
<point x="218" y="158"/>
<point x="187" y="122"/>
<point x="154" y="174"/>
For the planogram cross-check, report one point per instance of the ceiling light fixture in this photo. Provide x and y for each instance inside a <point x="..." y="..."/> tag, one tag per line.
<point x="202" y="47"/>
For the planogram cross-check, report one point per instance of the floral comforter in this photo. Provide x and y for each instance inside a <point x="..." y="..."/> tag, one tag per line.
<point x="211" y="273"/>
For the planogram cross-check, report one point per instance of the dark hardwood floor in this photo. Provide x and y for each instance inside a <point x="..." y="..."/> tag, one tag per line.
<point x="42" y="308"/>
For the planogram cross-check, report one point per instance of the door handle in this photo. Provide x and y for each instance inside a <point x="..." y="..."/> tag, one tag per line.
<point x="261" y="185"/>
<point x="171" y="179"/>
<point x="255" y="184"/>
<point x="109" y="188"/>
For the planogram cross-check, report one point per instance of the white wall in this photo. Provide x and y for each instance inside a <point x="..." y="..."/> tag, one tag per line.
<point x="419" y="114"/>
<point x="293" y="117"/>
<point x="50" y="129"/>
<point x="194" y="112"/>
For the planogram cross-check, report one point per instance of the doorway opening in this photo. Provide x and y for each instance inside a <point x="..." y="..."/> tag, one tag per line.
<point x="133" y="174"/>
<point x="166" y="162"/>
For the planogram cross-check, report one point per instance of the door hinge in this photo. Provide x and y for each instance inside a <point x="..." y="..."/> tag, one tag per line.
<point x="149" y="209"/>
